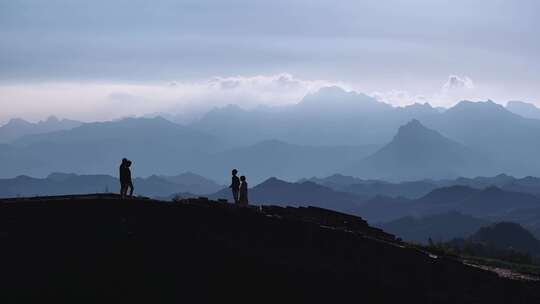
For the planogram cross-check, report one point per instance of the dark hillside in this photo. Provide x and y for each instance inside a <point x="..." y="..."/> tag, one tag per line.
<point x="88" y="249"/>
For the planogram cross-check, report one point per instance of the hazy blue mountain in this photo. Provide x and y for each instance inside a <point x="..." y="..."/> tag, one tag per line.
<point x="62" y="183"/>
<point x="412" y="190"/>
<point x="282" y="160"/>
<point x="491" y="202"/>
<point x="333" y="116"/>
<point x="527" y="184"/>
<point x="480" y="182"/>
<point x="527" y="110"/>
<point x="335" y="181"/>
<point x="509" y="140"/>
<point x="372" y="188"/>
<point x="278" y="192"/>
<point x="330" y="116"/>
<point x="439" y="227"/>
<point x="416" y="153"/>
<point x="193" y="183"/>
<point x="507" y="236"/>
<point x="417" y="189"/>
<point x="17" y="127"/>
<point x="488" y="202"/>
<point x="384" y="208"/>
<point x="527" y="217"/>
<point x="448" y="195"/>
<point x="155" y="145"/>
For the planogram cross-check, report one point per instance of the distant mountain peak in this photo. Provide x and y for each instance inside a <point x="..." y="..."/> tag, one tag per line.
<point x="478" y="106"/>
<point x="18" y="122"/>
<point x="52" y="119"/>
<point x="335" y="97"/>
<point x="415" y="123"/>
<point x="524" y="109"/>
<point x="415" y="129"/>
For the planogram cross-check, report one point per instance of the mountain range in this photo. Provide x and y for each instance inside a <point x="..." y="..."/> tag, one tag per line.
<point x="417" y="152"/>
<point x="282" y="193"/>
<point x="419" y="188"/>
<point x="491" y="202"/>
<point x="17" y="127"/>
<point x="330" y="131"/>
<point x="439" y="227"/>
<point x="62" y="184"/>
<point x="527" y="110"/>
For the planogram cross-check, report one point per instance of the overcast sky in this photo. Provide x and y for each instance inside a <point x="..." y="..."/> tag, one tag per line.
<point x="103" y="59"/>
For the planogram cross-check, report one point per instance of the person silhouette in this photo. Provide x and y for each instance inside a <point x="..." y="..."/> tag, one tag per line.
<point x="129" y="181"/>
<point x="235" y="185"/>
<point x="243" y="200"/>
<point x="125" y="178"/>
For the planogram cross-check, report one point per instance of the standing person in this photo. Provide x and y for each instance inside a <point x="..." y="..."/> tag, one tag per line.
<point x="235" y="185"/>
<point x="125" y="178"/>
<point x="243" y="192"/>
<point x="129" y="183"/>
<point x="123" y="175"/>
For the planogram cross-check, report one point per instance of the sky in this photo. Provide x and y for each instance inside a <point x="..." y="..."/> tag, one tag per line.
<point x="105" y="59"/>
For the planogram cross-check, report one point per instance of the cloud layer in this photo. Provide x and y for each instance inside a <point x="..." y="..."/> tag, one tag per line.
<point x="101" y="101"/>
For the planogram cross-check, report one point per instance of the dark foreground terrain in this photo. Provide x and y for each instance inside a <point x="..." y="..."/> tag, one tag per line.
<point x="88" y="249"/>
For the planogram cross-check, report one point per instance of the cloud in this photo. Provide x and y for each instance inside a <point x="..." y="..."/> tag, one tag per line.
<point x="98" y="101"/>
<point x="455" y="89"/>
<point x="456" y="82"/>
<point x="399" y="97"/>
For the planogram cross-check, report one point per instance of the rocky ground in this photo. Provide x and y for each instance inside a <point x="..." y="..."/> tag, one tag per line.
<point x="98" y="248"/>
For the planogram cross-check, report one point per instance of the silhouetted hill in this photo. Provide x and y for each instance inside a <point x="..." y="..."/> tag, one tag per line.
<point x="527" y="110"/>
<point x="491" y="202"/>
<point x="101" y="249"/>
<point x="417" y="152"/>
<point x="448" y="195"/>
<point x="275" y="191"/>
<point x="417" y="189"/>
<point x="439" y="227"/>
<point x="61" y="183"/>
<point x="507" y="236"/>
<point x="16" y="127"/>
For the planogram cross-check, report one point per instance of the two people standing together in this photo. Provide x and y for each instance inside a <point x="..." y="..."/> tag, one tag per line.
<point x="239" y="189"/>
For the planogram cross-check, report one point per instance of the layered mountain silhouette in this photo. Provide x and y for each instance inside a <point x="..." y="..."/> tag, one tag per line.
<point x="510" y="140"/>
<point x="283" y="160"/>
<point x="417" y="189"/>
<point x="527" y="110"/>
<point x="331" y="116"/>
<point x="17" y="127"/>
<point x="341" y="128"/>
<point x="155" y="145"/>
<point x="491" y="202"/>
<point x="507" y="236"/>
<point x="417" y="152"/>
<point x="62" y="183"/>
<point x="278" y="192"/>
<point x="439" y="228"/>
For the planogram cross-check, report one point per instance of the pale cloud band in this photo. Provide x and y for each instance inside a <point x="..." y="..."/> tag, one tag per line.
<point x="106" y="101"/>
